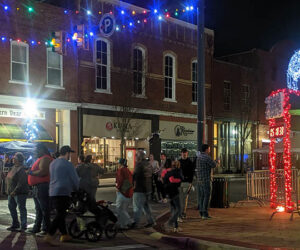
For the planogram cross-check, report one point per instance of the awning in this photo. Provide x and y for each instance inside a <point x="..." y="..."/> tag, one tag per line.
<point x="13" y="132"/>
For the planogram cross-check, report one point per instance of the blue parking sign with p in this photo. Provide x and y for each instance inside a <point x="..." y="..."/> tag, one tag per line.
<point x="107" y="25"/>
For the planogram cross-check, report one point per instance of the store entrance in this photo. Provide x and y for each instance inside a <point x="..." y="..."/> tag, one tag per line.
<point x="106" y="152"/>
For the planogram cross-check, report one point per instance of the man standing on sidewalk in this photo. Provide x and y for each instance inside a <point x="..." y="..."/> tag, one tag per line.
<point x="39" y="178"/>
<point x="187" y="168"/>
<point x="204" y="165"/>
<point x="140" y="201"/>
<point x="63" y="181"/>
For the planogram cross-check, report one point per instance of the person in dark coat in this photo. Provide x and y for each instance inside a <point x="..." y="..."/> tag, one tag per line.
<point x="172" y="178"/>
<point x="17" y="189"/>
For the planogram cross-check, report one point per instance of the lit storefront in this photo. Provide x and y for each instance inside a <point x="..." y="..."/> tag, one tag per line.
<point x="102" y="140"/>
<point x="13" y="125"/>
<point x="177" y="135"/>
<point x="227" y="145"/>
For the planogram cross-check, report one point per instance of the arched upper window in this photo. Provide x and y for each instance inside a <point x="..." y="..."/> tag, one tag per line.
<point x="102" y="59"/>
<point x="169" y="74"/>
<point x="138" y="68"/>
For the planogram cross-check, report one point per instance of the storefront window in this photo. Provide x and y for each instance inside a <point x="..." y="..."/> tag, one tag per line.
<point x="173" y="148"/>
<point x="107" y="151"/>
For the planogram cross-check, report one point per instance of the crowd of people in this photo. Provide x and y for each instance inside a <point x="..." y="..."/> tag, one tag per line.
<point x="53" y="179"/>
<point x="171" y="180"/>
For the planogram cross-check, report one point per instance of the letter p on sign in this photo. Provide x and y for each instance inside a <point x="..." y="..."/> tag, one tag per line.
<point x="107" y="25"/>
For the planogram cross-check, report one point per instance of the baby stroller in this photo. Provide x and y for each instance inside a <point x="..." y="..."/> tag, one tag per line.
<point x="91" y="218"/>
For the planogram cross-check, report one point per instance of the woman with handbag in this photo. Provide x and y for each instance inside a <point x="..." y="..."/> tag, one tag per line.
<point x="124" y="194"/>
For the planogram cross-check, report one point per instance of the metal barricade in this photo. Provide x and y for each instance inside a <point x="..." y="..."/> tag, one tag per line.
<point x="258" y="187"/>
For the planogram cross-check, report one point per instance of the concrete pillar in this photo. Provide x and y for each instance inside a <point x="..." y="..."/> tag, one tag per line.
<point x="65" y="127"/>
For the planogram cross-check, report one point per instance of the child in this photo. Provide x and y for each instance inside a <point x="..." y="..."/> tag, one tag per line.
<point x="172" y="178"/>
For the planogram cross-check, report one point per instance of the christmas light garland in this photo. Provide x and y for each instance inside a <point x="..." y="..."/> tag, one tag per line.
<point x="127" y="19"/>
<point x="289" y="204"/>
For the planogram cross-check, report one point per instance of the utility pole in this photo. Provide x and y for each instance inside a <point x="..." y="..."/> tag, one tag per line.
<point x="201" y="74"/>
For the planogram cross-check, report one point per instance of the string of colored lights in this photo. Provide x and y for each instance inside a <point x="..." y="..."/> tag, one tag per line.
<point x="289" y="204"/>
<point x="125" y="19"/>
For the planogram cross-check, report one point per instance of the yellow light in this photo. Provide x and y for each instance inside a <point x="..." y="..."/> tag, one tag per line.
<point x="280" y="209"/>
<point x="133" y="12"/>
<point x="100" y="12"/>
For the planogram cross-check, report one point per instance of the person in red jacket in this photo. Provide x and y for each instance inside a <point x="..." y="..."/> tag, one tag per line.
<point x="124" y="194"/>
<point x="39" y="178"/>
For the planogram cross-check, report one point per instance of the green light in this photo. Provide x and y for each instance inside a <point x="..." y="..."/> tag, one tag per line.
<point x="166" y="10"/>
<point x="30" y="9"/>
<point x="176" y="13"/>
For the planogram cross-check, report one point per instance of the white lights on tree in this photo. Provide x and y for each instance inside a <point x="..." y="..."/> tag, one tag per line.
<point x="30" y="113"/>
<point x="293" y="72"/>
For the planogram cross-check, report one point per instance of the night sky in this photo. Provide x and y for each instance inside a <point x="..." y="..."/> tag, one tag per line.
<point x="240" y="25"/>
<point x="245" y="24"/>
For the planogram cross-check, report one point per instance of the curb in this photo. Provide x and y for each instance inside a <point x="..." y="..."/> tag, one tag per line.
<point x="191" y="243"/>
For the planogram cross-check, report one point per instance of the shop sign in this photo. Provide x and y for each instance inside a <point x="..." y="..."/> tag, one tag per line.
<point x="107" y="126"/>
<point x="116" y="125"/>
<point x="182" y="131"/>
<point x="274" y="106"/>
<point x="19" y="113"/>
<point x="178" y="130"/>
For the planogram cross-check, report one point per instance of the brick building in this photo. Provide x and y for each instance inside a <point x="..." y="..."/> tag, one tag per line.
<point x="146" y="72"/>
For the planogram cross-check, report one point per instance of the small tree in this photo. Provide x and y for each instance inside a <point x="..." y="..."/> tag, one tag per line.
<point x="245" y="123"/>
<point x="125" y="126"/>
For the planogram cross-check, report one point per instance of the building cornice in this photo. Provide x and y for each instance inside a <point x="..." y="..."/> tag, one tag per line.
<point x="170" y="19"/>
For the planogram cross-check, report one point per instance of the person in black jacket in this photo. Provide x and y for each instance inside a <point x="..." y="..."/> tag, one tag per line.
<point x="188" y="169"/>
<point x="172" y="178"/>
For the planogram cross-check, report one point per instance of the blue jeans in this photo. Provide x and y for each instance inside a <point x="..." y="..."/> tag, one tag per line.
<point x="140" y="205"/>
<point x="203" y="188"/>
<point x="122" y="205"/>
<point x="42" y="206"/>
<point x="175" y="211"/>
<point x="20" y="201"/>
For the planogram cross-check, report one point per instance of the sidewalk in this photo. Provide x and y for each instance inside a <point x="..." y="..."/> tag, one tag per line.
<point x="242" y="227"/>
<point x="107" y="182"/>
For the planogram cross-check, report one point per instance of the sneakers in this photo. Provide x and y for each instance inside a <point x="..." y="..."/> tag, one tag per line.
<point x="206" y="217"/>
<point x="179" y="220"/>
<point x="65" y="238"/>
<point x="13" y="229"/>
<point x="33" y="231"/>
<point x="49" y="239"/>
<point x="41" y="234"/>
<point x="177" y="230"/>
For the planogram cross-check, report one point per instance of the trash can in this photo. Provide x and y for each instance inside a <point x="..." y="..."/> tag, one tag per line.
<point x="219" y="194"/>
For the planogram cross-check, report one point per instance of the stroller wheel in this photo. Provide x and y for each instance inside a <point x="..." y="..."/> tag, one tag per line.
<point x="74" y="229"/>
<point x="93" y="231"/>
<point x="111" y="231"/>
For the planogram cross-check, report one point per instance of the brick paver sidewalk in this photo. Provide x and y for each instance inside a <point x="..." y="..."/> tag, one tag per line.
<point x="245" y="227"/>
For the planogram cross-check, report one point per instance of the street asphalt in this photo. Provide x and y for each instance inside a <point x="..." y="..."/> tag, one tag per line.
<point x="20" y="241"/>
